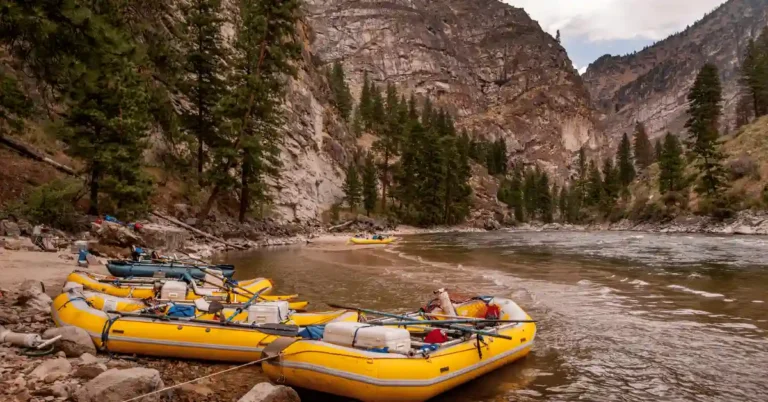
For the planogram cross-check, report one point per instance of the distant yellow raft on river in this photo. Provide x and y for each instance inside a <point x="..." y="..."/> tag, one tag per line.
<point x="361" y="241"/>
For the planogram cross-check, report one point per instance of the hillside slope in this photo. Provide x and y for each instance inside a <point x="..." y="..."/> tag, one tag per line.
<point x="651" y="86"/>
<point x="488" y="63"/>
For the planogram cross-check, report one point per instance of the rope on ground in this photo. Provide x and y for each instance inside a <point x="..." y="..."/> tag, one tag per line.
<point x="200" y="378"/>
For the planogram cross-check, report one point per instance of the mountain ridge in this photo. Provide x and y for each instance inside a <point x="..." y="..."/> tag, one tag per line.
<point x="650" y="86"/>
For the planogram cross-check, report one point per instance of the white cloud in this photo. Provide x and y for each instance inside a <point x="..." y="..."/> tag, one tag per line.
<point x="602" y="20"/>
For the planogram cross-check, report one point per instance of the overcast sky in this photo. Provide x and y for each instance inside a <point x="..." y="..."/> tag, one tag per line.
<point x="592" y="28"/>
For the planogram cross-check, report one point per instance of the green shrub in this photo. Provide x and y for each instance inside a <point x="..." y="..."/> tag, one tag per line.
<point x="53" y="205"/>
<point x="335" y="213"/>
<point x="720" y="208"/>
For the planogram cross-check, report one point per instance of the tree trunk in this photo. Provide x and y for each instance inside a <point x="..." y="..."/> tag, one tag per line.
<point x="245" y="191"/>
<point x="209" y="204"/>
<point x="200" y="159"/>
<point x="94" y="207"/>
<point x="384" y="181"/>
<point x="249" y="110"/>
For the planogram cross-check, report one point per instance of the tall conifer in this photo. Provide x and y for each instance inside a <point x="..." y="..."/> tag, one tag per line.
<point x="704" y="113"/>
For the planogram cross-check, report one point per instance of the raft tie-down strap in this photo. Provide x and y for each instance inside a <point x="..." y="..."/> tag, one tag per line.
<point x="201" y="378"/>
<point x="105" y="333"/>
<point x="73" y="299"/>
<point x="479" y="349"/>
<point x="354" y="336"/>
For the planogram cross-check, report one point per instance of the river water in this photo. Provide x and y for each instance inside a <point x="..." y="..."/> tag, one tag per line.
<point x="622" y="316"/>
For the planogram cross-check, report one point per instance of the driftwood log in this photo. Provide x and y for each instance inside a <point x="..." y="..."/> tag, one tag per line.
<point x="33" y="153"/>
<point x="198" y="231"/>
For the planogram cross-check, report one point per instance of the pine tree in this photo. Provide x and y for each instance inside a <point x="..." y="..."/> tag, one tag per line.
<point x="342" y="98"/>
<point x="204" y="65"/>
<point x="390" y="128"/>
<point x="574" y="205"/>
<point x="611" y="182"/>
<point x="582" y="177"/>
<point x="497" y="157"/>
<point x="352" y="187"/>
<point x="378" y="117"/>
<point x="15" y="106"/>
<point x="744" y="111"/>
<point x="594" y="186"/>
<point x="92" y="65"/>
<point x="544" y="201"/>
<point x="643" y="147"/>
<point x="555" y="200"/>
<point x="704" y="112"/>
<point x="517" y="194"/>
<point x="366" y="102"/>
<point x="530" y="193"/>
<point x="426" y="114"/>
<point x="563" y="204"/>
<point x="370" y="193"/>
<point x="657" y="149"/>
<point x="672" y="165"/>
<point x="625" y="162"/>
<point x="754" y="74"/>
<point x="357" y="123"/>
<point x="456" y="173"/>
<point x="253" y="108"/>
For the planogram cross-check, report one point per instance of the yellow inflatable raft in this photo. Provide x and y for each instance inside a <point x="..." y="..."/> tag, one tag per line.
<point x="357" y="240"/>
<point x="148" y="288"/>
<point x="200" y="339"/>
<point x="417" y="375"/>
<point x="107" y="303"/>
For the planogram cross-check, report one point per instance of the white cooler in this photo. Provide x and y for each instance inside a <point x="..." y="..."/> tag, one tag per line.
<point x="173" y="290"/>
<point x="269" y="312"/>
<point x="366" y="336"/>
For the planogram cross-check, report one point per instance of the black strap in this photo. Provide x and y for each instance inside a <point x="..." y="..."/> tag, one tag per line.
<point x="105" y="334"/>
<point x="479" y="349"/>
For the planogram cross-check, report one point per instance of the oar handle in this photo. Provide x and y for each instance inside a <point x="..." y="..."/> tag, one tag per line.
<point x="246" y="305"/>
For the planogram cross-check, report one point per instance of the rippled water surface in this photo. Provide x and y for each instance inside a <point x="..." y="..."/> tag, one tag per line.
<point x="623" y="316"/>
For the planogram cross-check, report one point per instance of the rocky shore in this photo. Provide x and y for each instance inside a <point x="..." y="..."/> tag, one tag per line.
<point x="744" y="223"/>
<point x="75" y="371"/>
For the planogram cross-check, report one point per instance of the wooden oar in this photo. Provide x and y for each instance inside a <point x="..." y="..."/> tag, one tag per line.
<point x="416" y="321"/>
<point x="270" y="329"/>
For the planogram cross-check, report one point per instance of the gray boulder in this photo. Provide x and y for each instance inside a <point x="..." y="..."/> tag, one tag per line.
<point x="74" y="341"/>
<point x="23" y="244"/>
<point x="266" y="392"/>
<point x="51" y="368"/>
<point x="118" y="385"/>
<point x="25" y="228"/>
<point x="8" y="228"/>
<point x="89" y="371"/>
<point x="114" y="234"/>
<point x="32" y="296"/>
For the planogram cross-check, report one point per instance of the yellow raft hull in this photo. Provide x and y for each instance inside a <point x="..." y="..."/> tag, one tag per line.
<point x="384" y="377"/>
<point x="147" y="291"/>
<point x="107" y="303"/>
<point x="178" y="339"/>
<point x="356" y="240"/>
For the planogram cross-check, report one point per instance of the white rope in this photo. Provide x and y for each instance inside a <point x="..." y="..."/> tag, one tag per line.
<point x="200" y="378"/>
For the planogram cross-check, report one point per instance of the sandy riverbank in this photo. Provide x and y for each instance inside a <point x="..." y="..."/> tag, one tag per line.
<point x="50" y="268"/>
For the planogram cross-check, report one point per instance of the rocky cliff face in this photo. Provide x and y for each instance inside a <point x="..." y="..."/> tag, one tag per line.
<point x="651" y="86"/>
<point x="485" y="61"/>
<point x="316" y="145"/>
